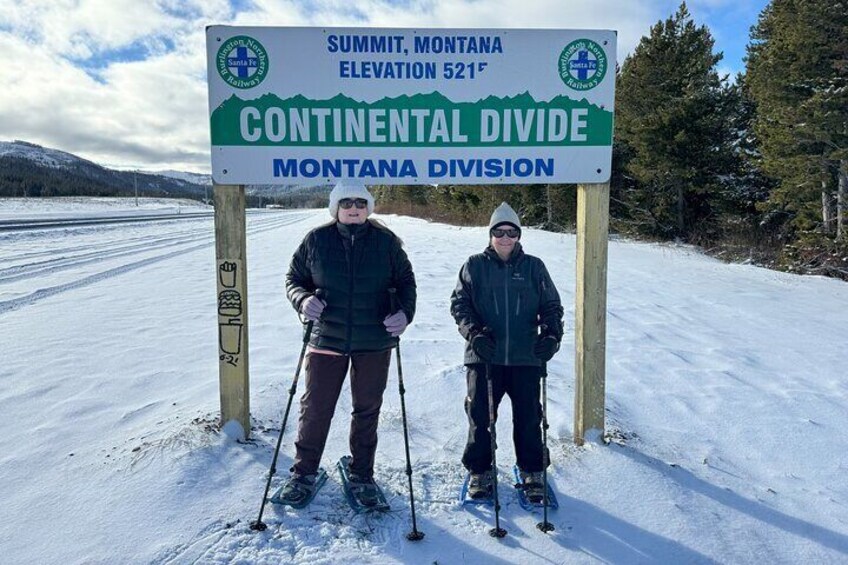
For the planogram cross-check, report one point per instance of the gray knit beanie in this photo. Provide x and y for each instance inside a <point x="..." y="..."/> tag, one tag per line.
<point x="504" y="214"/>
<point x="349" y="189"/>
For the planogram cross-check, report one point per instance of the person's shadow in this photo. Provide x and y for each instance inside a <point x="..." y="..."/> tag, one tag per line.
<point x="757" y="510"/>
<point x="610" y="539"/>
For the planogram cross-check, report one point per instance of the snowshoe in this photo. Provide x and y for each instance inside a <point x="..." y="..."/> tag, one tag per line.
<point x="362" y="493"/>
<point x="477" y="489"/>
<point x="299" y="491"/>
<point x="531" y="491"/>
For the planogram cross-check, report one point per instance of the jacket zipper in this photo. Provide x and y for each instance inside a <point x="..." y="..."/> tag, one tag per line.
<point x="506" y="311"/>
<point x="350" y="295"/>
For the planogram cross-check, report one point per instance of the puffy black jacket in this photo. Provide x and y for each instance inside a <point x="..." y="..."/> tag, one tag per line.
<point x="354" y="266"/>
<point x="512" y="299"/>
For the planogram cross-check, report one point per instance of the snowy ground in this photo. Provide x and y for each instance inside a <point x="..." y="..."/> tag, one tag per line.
<point x="727" y="404"/>
<point x="73" y="207"/>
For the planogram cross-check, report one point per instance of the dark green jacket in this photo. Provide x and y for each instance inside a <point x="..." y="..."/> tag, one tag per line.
<point x="354" y="266"/>
<point x="511" y="299"/>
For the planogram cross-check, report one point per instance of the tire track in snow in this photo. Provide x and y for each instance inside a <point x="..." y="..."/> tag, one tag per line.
<point x="95" y="232"/>
<point x="49" y="266"/>
<point x="42" y="293"/>
<point x="11" y="274"/>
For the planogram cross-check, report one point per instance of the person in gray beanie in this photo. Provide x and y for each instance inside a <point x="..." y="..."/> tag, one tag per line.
<point x="340" y="278"/>
<point x="509" y="312"/>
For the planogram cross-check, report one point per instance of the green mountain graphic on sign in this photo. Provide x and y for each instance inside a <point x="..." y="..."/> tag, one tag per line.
<point x="420" y="120"/>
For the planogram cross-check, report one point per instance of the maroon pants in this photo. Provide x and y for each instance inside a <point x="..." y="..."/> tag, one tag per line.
<point x="324" y="377"/>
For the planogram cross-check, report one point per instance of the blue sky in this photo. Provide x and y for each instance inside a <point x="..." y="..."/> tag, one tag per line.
<point x="123" y="82"/>
<point x="730" y="25"/>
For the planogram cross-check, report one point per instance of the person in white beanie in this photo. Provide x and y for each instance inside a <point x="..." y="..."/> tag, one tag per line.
<point x="508" y="310"/>
<point x="350" y="190"/>
<point x="339" y="278"/>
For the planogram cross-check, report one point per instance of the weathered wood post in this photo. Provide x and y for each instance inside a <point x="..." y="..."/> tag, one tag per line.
<point x="231" y="275"/>
<point x="590" y="311"/>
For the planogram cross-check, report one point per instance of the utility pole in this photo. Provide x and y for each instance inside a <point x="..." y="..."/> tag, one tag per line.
<point x="135" y="185"/>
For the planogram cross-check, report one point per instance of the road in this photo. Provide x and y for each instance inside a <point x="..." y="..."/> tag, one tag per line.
<point x="31" y="223"/>
<point x="39" y="262"/>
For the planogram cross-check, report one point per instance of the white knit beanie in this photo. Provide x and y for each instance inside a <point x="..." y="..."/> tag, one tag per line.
<point x="504" y="214"/>
<point x="349" y="189"/>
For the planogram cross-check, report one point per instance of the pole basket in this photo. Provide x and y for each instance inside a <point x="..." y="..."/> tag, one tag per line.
<point x="497" y="532"/>
<point x="545" y="527"/>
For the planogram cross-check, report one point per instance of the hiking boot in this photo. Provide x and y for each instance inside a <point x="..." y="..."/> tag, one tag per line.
<point x="480" y="485"/>
<point x="363" y="489"/>
<point x="533" y="486"/>
<point x="299" y="489"/>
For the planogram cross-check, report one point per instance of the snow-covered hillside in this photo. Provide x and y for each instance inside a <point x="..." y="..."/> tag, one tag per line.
<point x="33" y="170"/>
<point x="43" y="155"/>
<point x="167" y="182"/>
<point x="196" y="178"/>
<point x="727" y="404"/>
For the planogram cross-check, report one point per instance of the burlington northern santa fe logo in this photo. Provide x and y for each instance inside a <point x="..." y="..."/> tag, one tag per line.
<point x="582" y="64"/>
<point x="242" y="62"/>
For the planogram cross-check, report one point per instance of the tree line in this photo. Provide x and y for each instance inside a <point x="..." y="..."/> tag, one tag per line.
<point x="26" y="178"/>
<point x="752" y="167"/>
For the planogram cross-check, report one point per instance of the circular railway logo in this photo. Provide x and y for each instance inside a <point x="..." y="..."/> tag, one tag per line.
<point x="582" y="64"/>
<point x="242" y="62"/>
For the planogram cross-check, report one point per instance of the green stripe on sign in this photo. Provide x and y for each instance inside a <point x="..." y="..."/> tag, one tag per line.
<point x="422" y="120"/>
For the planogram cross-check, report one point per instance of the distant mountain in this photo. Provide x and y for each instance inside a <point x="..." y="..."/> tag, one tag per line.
<point x="196" y="178"/>
<point x="27" y="169"/>
<point x="271" y="191"/>
<point x="38" y="154"/>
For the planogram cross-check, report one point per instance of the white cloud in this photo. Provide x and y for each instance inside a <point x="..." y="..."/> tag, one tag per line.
<point x="81" y="29"/>
<point x="153" y="113"/>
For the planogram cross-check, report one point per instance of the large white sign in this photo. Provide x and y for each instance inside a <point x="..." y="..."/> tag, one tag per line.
<point x="410" y="106"/>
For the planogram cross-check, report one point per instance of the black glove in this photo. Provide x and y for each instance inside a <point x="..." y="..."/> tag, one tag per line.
<point x="545" y="347"/>
<point x="484" y="346"/>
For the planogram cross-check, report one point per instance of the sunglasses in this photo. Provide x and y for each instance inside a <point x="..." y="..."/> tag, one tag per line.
<point x="511" y="233"/>
<point x="348" y="203"/>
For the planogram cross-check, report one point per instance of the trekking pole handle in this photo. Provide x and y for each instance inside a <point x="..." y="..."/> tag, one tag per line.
<point x="393" y="299"/>
<point x="307" y="326"/>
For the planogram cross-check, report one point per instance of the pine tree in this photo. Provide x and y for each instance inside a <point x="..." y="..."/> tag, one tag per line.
<point x="797" y="70"/>
<point x="670" y="120"/>
<point x="746" y="187"/>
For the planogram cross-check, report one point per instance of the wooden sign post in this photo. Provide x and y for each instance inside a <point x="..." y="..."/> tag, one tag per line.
<point x="231" y="275"/>
<point x="590" y="311"/>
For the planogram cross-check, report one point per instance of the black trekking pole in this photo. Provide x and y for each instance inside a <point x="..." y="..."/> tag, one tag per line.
<point x="497" y="531"/>
<point x="414" y="535"/>
<point x="259" y="525"/>
<point x="544" y="525"/>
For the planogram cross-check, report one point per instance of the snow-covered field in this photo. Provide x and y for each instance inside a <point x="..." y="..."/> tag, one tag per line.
<point x="727" y="405"/>
<point x="74" y="207"/>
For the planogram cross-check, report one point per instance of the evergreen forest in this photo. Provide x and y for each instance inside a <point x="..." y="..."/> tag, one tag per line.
<point x="750" y="168"/>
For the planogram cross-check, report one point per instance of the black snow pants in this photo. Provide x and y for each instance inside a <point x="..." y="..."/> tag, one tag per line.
<point x="523" y="385"/>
